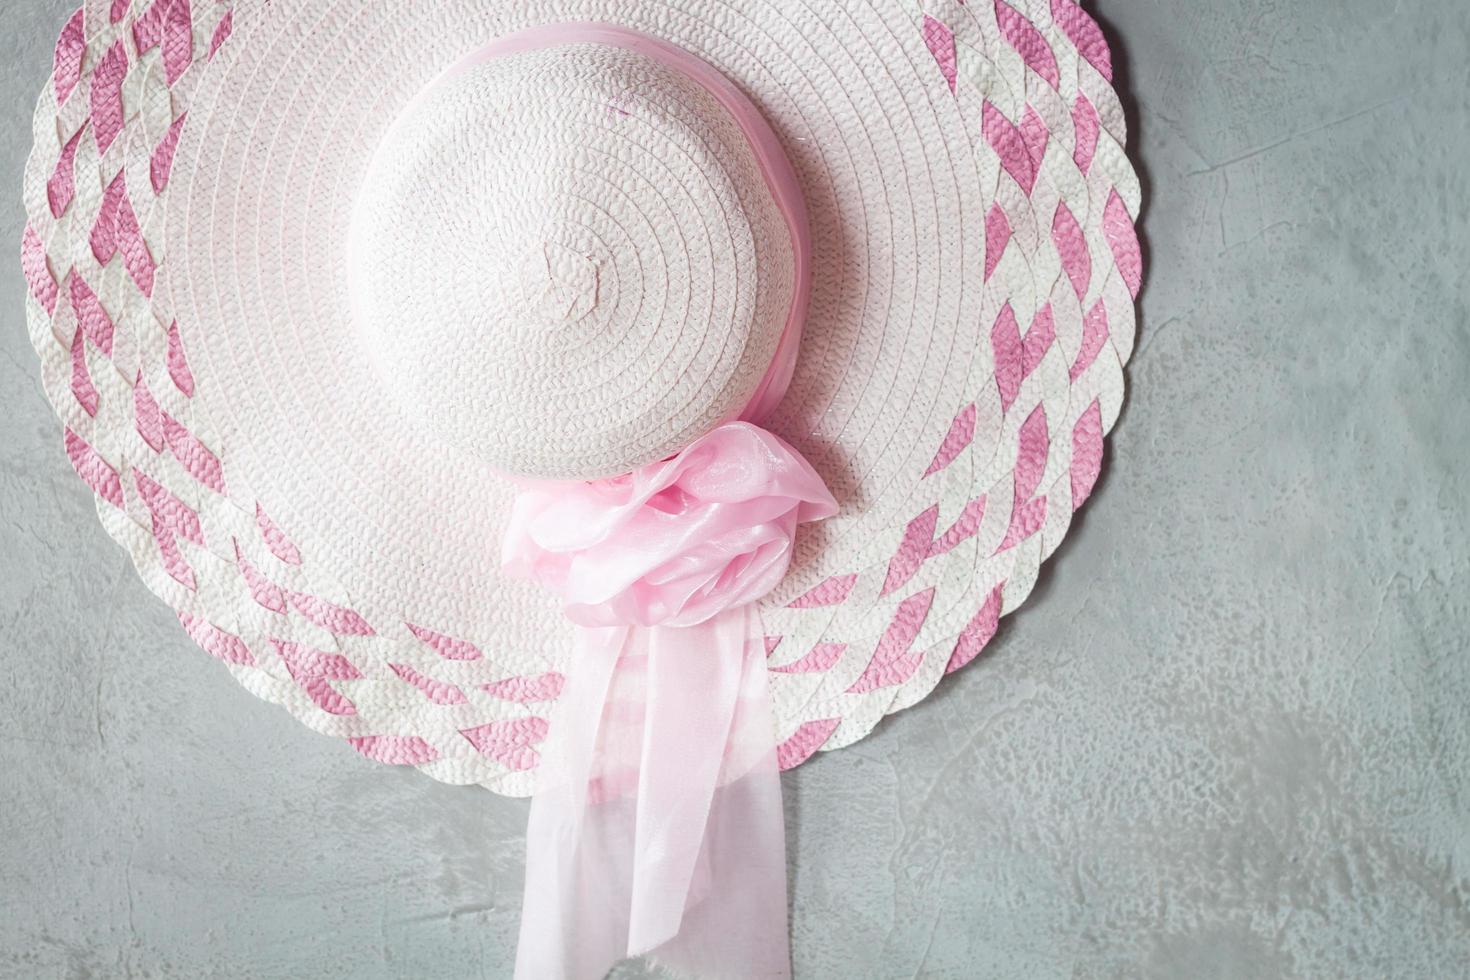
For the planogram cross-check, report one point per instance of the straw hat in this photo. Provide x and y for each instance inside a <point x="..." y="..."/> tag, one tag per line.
<point x="309" y="279"/>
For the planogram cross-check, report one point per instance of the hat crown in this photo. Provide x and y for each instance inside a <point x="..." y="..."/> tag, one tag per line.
<point x="567" y="262"/>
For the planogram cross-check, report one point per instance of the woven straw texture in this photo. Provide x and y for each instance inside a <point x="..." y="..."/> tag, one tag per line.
<point x="975" y="269"/>
<point x="632" y="271"/>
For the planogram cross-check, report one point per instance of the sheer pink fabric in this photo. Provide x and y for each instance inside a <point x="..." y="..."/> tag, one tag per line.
<point x="657" y="823"/>
<point x="674" y="542"/>
<point x="660" y="828"/>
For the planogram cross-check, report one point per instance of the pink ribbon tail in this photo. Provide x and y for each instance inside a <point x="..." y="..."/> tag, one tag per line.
<point x="657" y="825"/>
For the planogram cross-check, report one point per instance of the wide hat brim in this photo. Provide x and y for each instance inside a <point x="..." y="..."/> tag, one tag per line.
<point x="974" y="274"/>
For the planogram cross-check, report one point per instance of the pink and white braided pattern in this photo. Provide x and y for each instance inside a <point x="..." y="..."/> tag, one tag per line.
<point x="1061" y="269"/>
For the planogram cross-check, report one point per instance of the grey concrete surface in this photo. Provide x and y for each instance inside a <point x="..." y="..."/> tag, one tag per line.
<point x="1229" y="736"/>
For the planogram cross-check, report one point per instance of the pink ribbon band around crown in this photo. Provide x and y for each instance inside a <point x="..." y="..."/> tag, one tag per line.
<point x="657" y="824"/>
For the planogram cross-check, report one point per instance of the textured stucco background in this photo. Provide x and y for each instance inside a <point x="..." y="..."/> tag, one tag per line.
<point x="1228" y="736"/>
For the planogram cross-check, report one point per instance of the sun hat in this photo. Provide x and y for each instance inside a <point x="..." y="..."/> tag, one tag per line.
<point x="462" y="373"/>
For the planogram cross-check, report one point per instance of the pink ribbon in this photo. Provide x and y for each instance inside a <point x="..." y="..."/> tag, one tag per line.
<point x="672" y="543"/>
<point x="657" y="825"/>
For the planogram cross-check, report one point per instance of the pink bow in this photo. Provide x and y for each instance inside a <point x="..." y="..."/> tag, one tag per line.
<point x="673" y="543"/>
<point x="657" y="824"/>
